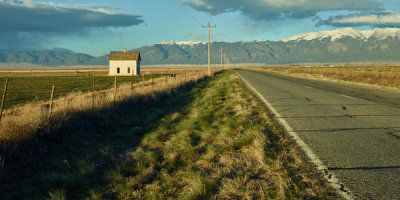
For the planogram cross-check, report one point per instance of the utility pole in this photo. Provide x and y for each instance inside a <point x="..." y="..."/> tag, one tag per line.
<point x="225" y="60"/>
<point x="222" y="65"/>
<point x="209" y="49"/>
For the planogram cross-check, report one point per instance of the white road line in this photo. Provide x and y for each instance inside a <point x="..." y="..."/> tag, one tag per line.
<point x="330" y="177"/>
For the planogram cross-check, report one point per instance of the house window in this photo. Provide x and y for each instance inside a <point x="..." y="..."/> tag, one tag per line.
<point x="129" y="70"/>
<point x="118" y="70"/>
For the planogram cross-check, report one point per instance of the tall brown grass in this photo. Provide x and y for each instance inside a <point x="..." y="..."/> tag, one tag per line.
<point x="387" y="76"/>
<point x="20" y="124"/>
<point x="223" y="145"/>
<point x="211" y="140"/>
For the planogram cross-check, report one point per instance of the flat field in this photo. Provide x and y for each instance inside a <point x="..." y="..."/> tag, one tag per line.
<point x="387" y="76"/>
<point x="206" y="139"/>
<point x="35" y="85"/>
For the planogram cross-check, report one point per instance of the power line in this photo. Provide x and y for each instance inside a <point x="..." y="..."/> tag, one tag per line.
<point x="189" y="12"/>
<point x="222" y="64"/>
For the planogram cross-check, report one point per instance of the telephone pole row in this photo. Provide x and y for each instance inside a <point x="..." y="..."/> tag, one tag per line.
<point x="209" y="49"/>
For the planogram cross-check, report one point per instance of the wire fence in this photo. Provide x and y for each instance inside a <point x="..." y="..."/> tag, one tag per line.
<point x="40" y="91"/>
<point x="23" y="90"/>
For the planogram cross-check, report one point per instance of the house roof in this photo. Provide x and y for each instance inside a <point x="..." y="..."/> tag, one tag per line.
<point x="120" y="55"/>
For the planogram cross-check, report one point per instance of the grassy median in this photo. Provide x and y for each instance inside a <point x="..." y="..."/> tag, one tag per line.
<point x="211" y="140"/>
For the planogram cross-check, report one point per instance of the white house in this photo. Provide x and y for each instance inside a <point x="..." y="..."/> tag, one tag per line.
<point x="125" y="63"/>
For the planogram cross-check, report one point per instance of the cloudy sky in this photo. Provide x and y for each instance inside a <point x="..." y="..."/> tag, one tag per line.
<point x="97" y="26"/>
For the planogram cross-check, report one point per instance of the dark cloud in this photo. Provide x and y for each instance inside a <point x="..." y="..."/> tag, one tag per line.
<point x="23" y="21"/>
<point x="23" y="41"/>
<point x="380" y="20"/>
<point x="281" y="9"/>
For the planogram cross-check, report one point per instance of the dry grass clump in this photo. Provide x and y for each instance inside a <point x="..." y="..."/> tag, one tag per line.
<point x="388" y="76"/>
<point x="223" y="146"/>
<point x="19" y="124"/>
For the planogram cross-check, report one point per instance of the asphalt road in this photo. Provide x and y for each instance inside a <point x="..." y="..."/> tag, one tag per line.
<point x="354" y="130"/>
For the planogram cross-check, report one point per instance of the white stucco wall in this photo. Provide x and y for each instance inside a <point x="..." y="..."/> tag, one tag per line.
<point x="123" y="66"/>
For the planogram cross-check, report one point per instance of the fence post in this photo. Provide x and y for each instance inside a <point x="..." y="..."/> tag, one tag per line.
<point x="132" y="83"/>
<point x="185" y="75"/>
<point x="93" y="90"/>
<point x="3" y="99"/>
<point x="51" y="102"/>
<point x="115" y="89"/>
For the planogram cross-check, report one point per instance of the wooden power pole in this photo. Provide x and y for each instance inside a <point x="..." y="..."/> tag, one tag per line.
<point x="209" y="50"/>
<point x="225" y="60"/>
<point x="222" y="64"/>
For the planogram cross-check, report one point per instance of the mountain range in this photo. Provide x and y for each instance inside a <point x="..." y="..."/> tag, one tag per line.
<point x="346" y="45"/>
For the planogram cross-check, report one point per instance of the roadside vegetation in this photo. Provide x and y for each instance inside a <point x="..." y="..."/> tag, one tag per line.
<point x="206" y="139"/>
<point x="387" y="76"/>
<point x="22" y="123"/>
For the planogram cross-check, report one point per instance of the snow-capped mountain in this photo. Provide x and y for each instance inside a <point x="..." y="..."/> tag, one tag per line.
<point x="190" y="42"/>
<point x="346" y="45"/>
<point x="379" y="34"/>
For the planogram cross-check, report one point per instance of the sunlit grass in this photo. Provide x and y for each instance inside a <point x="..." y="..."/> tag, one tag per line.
<point x="210" y="140"/>
<point x="222" y="146"/>
<point x="387" y="76"/>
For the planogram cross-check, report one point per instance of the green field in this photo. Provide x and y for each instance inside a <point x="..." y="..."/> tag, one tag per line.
<point x="24" y="89"/>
